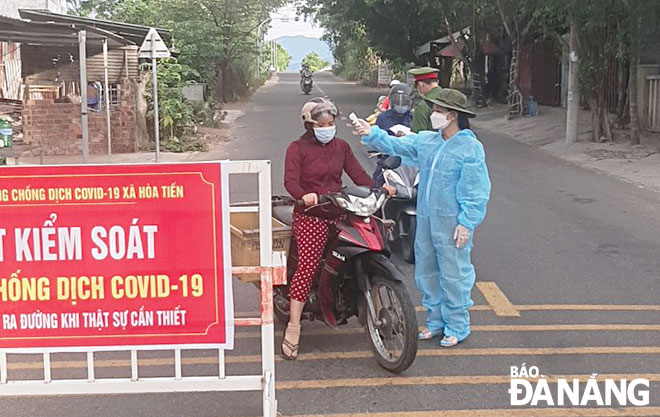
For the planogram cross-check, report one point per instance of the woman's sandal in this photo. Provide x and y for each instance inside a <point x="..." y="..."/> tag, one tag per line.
<point x="426" y="334"/>
<point x="449" y="341"/>
<point x="291" y="335"/>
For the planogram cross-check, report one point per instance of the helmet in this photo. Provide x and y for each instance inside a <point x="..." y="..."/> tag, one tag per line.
<point x="400" y="95"/>
<point x="394" y="82"/>
<point x="315" y="107"/>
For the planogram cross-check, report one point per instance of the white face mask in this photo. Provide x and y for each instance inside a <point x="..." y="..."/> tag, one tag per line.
<point x="325" y="134"/>
<point x="439" y="121"/>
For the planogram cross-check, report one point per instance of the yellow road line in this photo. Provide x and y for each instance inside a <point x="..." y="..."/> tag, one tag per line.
<point x="511" y="412"/>
<point x="247" y="314"/>
<point x="319" y="356"/>
<point x="492" y="328"/>
<point x="567" y="327"/>
<point x="531" y="307"/>
<point x="496" y="299"/>
<point x="479" y="307"/>
<point x="243" y="314"/>
<point x="587" y="307"/>
<point x="440" y="380"/>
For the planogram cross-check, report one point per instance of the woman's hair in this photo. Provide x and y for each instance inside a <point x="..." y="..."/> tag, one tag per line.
<point x="463" y="121"/>
<point x="309" y="126"/>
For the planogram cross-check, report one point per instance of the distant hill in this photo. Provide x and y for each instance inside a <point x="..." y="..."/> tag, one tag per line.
<point x="299" y="46"/>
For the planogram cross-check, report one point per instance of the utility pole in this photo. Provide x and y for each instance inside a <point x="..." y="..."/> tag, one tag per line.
<point x="154" y="80"/>
<point x="107" y="93"/>
<point x="272" y="54"/>
<point x="573" y="102"/>
<point x="275" y="53"/>
<point x="259" y="44"/>
<point x="82" y="50"/>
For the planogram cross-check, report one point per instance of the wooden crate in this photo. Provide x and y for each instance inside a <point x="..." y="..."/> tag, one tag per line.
<point x="245" y="239"/>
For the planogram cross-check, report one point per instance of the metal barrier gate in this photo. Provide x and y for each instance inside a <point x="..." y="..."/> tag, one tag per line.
<point x="272" y="271"/>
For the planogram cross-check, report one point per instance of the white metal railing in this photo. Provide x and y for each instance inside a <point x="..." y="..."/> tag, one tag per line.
<point x="653" y="116"/>
<point x="272" y="271"/>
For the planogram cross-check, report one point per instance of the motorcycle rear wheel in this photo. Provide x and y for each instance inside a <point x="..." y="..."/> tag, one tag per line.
<point x="394" y="342"/>
<point x="281" y="303"/>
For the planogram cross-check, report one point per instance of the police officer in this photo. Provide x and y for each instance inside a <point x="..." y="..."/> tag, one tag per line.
<point x="426" y="82"/>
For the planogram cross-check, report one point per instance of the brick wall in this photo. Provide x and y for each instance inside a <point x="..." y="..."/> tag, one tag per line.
<point x="55" y="128"/>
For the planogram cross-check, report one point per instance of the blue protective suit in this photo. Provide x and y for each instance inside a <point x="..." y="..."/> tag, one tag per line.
<point x="454" y="188"/>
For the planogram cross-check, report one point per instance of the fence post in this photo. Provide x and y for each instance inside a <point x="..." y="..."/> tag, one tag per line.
<point x="267" y="326"/>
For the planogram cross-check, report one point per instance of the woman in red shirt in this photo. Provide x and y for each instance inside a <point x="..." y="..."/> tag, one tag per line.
<point x="313" y="166"/>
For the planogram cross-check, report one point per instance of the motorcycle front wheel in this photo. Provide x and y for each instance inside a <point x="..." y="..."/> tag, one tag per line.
<point x="393" y="340"/>
<point x="407" y="240"/>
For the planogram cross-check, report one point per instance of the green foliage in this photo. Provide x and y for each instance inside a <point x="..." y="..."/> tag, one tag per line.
<point x="176" y="116"/>
<point x="314" y="62"/>
<point x="182" y="145"/>
<point x="217" y="38"/>
<point x="283" y="58"/>
<point x="357" y="60"/>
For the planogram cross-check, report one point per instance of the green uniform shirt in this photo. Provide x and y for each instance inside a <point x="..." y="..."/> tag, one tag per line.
<point x="422" y="112"/>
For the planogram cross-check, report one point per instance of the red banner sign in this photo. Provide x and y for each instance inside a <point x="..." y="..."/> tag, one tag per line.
<point x="110" y="256"/>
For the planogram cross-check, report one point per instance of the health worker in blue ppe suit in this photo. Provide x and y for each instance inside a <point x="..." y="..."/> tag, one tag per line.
<point x="454" y="188"/>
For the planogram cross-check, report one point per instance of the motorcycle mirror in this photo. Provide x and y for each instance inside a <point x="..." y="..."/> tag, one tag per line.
<point x="392" y="162"/>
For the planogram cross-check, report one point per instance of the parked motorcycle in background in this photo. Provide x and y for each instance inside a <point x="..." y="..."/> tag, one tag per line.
<point x="402" y="207"/>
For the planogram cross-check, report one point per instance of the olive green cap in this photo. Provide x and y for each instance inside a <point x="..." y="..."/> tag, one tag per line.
<point x="423" y="71"/>
<point x="451" y="99"/>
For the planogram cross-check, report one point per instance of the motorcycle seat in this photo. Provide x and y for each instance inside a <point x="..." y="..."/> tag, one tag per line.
<point x="283" y="214"/>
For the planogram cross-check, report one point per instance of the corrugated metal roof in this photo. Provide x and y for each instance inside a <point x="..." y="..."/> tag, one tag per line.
<point x="54" y="34"/>
<point x="134" y="33"/>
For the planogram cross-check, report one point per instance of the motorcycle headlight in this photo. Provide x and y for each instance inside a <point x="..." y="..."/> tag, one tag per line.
<point x="367" y="206"/>
<point x="416" y="182"/>
<point x="345" y="204"/>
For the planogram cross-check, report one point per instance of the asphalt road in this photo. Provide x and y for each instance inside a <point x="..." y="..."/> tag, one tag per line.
<point x="568" y="280"/>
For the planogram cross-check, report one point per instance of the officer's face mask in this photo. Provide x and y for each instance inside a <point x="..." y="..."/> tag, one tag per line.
<point x="400" y="109"/>
<point x="325" y="134"/>
<point x="439" y="121"/>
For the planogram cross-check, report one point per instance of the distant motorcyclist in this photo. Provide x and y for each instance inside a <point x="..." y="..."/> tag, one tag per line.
<point x="386" y="102"/>
<point x="305" y="72"/>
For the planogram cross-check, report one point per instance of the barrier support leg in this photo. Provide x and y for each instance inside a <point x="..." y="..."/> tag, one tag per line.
<point x="3" y="368"/>
<point x="267" y="327"/>
<point x="267" y="348"/>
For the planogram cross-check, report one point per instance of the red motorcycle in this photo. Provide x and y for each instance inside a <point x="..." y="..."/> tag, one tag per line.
<point x="356" y="276"/>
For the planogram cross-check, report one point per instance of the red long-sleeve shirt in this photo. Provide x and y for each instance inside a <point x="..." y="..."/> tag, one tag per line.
<point x="312" y="167"/>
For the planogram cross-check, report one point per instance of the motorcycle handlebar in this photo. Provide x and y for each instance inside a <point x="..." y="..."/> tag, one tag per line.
<point x="323" y="199"/>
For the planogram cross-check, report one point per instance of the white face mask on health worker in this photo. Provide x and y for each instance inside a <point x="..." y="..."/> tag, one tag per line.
<point x="439" y="121"/>
<point x="325" y="134"/>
